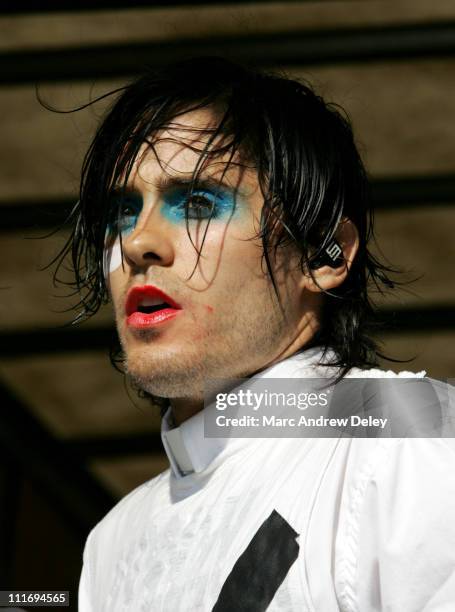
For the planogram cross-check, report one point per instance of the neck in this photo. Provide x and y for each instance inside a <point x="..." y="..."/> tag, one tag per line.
<point x="184" y="408"/>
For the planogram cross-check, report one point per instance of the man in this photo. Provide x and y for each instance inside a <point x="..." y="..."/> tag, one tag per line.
<point x="225" y="213"/>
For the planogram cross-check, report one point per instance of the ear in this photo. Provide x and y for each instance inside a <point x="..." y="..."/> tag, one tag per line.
<point x="326" y="278"/>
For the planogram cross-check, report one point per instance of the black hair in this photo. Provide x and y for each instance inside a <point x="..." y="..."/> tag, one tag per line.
<point x="309" y="171"/>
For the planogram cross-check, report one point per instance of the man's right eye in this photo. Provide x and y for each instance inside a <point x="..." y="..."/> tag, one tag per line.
<point x="124" y="214"/>
<point x="127" y="210"/>
<point x="128" y="213"/>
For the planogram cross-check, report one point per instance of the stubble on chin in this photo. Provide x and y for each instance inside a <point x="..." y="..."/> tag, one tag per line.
<point x="160" y="371"/>
<point x="240" y="343"/>
<point x="184" y="371"/>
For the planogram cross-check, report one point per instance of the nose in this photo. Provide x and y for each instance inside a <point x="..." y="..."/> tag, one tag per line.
<point x="150" y="243"/>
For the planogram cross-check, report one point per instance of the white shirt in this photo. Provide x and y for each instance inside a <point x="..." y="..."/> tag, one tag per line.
<point x="375" y="520"/>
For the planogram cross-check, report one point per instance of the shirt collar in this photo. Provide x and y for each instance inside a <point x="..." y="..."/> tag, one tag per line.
<point x="186" y="446"/>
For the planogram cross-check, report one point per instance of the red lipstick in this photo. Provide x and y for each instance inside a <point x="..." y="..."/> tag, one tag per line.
<point x="148" y="306"/>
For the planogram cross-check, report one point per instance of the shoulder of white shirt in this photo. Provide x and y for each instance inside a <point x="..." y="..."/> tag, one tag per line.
<point x="306" y="364"/>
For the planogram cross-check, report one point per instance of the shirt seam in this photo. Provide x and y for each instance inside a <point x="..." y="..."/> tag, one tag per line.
<point x="348" y="564"/>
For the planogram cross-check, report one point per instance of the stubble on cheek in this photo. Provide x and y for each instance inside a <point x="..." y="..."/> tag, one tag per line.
<point x="233" y="334"/>
<point x="166" y="362"/>
<point x="236" y="344"/>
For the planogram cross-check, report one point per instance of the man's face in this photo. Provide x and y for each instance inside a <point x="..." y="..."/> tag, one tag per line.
<point x="222" y="318"/>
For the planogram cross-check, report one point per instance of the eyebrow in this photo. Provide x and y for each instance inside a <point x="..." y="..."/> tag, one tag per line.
<point x="168" y="182"/>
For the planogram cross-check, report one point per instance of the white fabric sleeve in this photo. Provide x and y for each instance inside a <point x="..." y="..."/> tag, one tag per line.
<point x="403" y="534"/>
<point x="84" y="595"/>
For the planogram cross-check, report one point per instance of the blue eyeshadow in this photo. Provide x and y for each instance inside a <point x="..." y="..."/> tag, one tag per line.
<point x="125" y="211"/>
<point x="202" y="204"/>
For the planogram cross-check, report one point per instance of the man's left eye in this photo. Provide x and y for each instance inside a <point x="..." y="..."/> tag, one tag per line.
<point x="200" y="207"/>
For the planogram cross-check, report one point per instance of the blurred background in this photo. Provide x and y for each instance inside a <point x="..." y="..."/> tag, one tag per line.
<point x="73" y="437"/>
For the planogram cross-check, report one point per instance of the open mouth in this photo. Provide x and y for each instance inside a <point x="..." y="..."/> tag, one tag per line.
<point x="149" y="308"/>
<point x="148" y="305"/>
